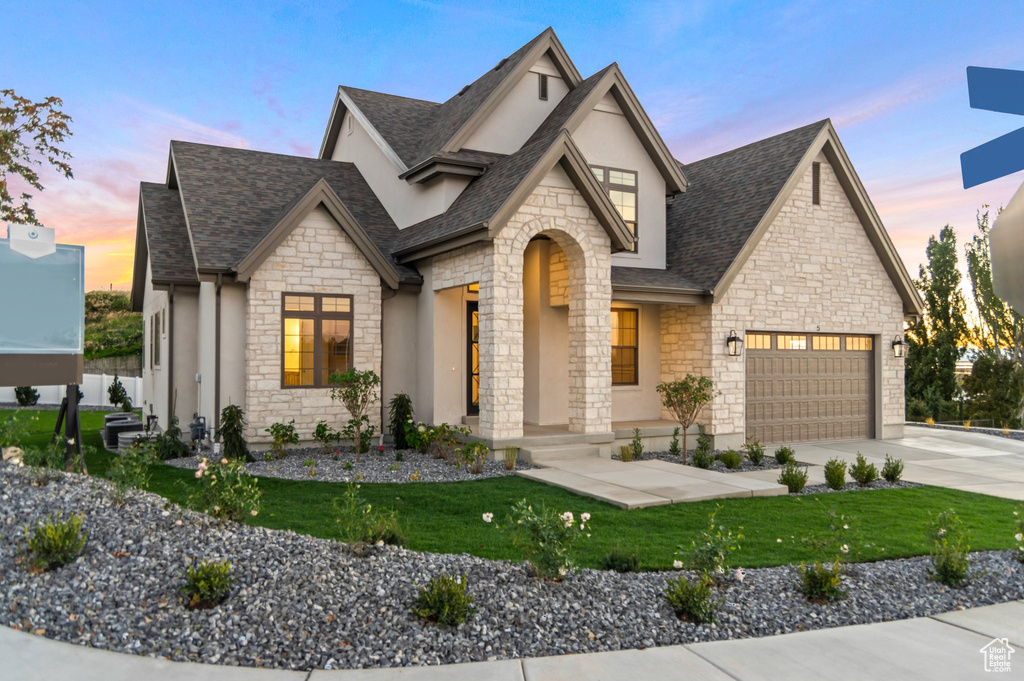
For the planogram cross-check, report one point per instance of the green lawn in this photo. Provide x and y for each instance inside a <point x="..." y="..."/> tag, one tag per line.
<point x="446" y="517"/>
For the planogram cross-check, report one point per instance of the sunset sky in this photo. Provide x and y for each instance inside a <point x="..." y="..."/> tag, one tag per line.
<point x="712" y="76"/>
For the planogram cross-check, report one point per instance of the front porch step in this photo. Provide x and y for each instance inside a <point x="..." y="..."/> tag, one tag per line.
<point x="540" y="455"/>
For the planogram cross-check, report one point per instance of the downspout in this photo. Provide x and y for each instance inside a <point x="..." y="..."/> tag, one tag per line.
<point x="386" y="294"/>
<point x="216" y="359"/>
<point x="170" y="354"/>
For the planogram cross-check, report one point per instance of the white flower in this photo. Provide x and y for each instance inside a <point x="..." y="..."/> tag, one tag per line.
<point x="739" y="574"/>
<point x="568" y="518"/>
<point x="253" y="512"/>
<point x="846" y="527"/>
<point x="1019" y="536"/>
<point x="677" y="564"/>
<point x="778" y="541"/>
<point x="488" y="517"/>
<point x="585" y="517"/>
<point x="562" y="571"/>
<point x="844" y="548"/>
<point x="942" y="531"/>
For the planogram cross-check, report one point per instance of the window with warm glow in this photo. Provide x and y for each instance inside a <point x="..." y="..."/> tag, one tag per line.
<point x="825" y="343"/>
<point x="317" y="335"/>
<point x="625" y="336"/>
<point x="759" y="341"/>
<point x="792" y="342"/>
<point x="621" y="188"/>
<point x="858" y="343"/>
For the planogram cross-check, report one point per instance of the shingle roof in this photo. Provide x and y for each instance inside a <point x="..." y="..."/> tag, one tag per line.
<point x="728" y="195"/>
<point x="170" y="253"/>
<point x="652" y="278"/>
<point x="486" y="194"/>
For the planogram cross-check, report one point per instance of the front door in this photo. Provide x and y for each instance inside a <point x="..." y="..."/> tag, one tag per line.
<point x="472" y="357"/>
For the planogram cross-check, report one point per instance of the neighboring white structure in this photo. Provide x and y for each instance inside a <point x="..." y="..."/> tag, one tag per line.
<point x="527" y="253"/>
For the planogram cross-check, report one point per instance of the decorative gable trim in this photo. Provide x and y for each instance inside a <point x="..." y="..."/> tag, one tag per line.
<point x="319" y="194"/>
<point x="827" y="143"/>
<point x="615" y="83"/>
<point x="141" y="260"/>
<point x="547" y="43"/>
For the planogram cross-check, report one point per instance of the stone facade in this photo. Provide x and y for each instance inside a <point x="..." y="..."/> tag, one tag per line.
<point x="317" y="257"/>
<point x="813" y="271"/>
<point x="686" y="346"/>
<point x="460" y="267"/>
<point x="558" y="277"/>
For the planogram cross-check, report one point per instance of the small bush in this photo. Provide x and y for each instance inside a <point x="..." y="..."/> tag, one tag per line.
<point x="703" y="439"/>
<point x="116" y="394"/>
<point x="822" y="583"/>
<point x="511" y="454"/>
<point x="226" y="491"/>
<point x="755" y="452"/>
<point x="13" y="429"/>
<point x="207" y="584"/>
<point x="784" y="455"/>
<point x="232" y="433"/>
<point x="692" y="601"/>
<point x="892" y="470"/>
<point x="862" y="472"/>
<point x="472" y="455"/>
<point x="399" y="412"/>
<point x="444" y="600"/>
<point x="835" y="473"/>
<point x="626" y="453"/>
<point x="709" y="550"/>
<point x="46" y="462"/>
<point x="703" y="458"/>
<point x="327" y="437"/>
<point x="359" y="522"/>
<point x="55" y="542"/>
<point x="637" y="445"/>
<point x="360" y="433"/>
<point x="950" y="554"/>
<point x="444" y="438"/>
<point x="673" y="448"/>
<point x="130" y="470"/>
<point x="731" y="458"/>
<point x="794" y="477"/>
<point x="26" y="395"/>
<point x="168" y="444"/>
<point x="283" y="434"/>
<point x="546" y="539"/>
<point x="620" y="560"/>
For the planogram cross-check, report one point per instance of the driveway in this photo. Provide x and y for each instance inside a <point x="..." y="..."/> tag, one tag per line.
<point x="972" y="462"/>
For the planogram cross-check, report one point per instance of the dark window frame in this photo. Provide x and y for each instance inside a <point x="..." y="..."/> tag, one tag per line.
<point x="609" y="186"/>
<point x="318" y="316"/>
<point x="635" y="348"/>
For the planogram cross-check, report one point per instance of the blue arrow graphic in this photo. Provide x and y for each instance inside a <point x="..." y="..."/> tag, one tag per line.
<point x="1000" y="90"/>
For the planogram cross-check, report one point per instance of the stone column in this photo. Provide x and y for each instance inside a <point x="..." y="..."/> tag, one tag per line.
<point x="501" y="342"/>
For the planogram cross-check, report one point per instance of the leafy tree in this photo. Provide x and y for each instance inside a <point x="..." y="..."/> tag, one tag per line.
<point x="685" y="399"/>
<point x="995" y="389"/>
<point x="357" y="390"/>
<point x="935" y="342"/>
<point x="30" y="133"/>
<point x="1002" y="328"/>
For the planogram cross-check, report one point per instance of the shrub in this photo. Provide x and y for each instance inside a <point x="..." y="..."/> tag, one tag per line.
<point x="207" y="584"/>
<point x="357" y="390"/>
<point x="511" y="454"/>
<point x="545" y="538"/>
<point x="1018" y="527"/>
<point x="794" y="477"/>
<point x="116" y="394"/>
<point x="822" y="583"/>
<point x="626" y="453"/>
<point x="359" y="522"/>
<point x="226" y="491"/>
<point x="892" y="470"/>
<point x="473" y="455"/>
<point x="283" y="434"/>
<point x="703" y="458"/>
<point x="13" y="429"/>
<point x="709" y="550"/>
<point x="636" y="445"/>
<point x="673" y="447"/>
<point x="26" y="395"/>
<point x="917" y="410"/>
<point x="835" y="473"/>
<point x="620" y="560"/>
<point x="130" y="470"/>
<point x="755" y="452"/>
<point x="692" y="601"/>
<point x="55" y="542"/>
<point x="168" y="444"/>
<point x="731" y="458"/>
<point x="950" y="552"/>
<point x="46" y="461"/>
<point x="784" y="455"/>
<point x="863" y="472"/>
<point x="685" y="399"/>
<point x="418" y="436"/>
<point x="445" y="600"/>
<point x="444" y="438"/>
<point x="325" y="435"/>
<point x="232" y="433"/>
<point x="400" y="413"/>
<point x="703" y="439"/>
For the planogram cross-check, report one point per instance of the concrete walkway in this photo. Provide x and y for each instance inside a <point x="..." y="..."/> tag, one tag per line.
<point x="972" y="462"/>
<point x="946" y="646"/>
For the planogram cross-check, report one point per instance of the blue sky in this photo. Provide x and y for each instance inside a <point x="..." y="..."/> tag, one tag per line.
<point x="712" y="75"/>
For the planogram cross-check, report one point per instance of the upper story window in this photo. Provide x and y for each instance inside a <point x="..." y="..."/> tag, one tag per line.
<point x="621" y="188"/>
<point x="317" y="338"/>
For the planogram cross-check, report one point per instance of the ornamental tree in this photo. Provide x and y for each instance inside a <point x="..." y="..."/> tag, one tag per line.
<point x="30" y="133"/>
<point x="357" y="390"/>
<point x="685" y="399"/>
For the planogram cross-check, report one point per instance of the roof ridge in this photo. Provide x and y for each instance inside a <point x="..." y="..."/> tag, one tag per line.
<point x="818" y="124"/>
<point x="389" y="94"/>
<point x="259" y="151"/>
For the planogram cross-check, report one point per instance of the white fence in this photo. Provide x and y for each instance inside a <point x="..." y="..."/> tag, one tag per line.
<point x="94" y="389"/>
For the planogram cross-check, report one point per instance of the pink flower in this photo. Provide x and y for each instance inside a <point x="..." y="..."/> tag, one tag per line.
<point x="199" y="473"/>
<point x="178" y="523"/>
<point x="382" y="448"/>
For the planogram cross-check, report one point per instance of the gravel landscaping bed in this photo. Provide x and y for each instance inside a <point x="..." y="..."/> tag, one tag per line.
<point x="373" y="467"/>
<point x="855" y="487"/>
<point x="769" y="462"/>
<point x="305" y="603"/>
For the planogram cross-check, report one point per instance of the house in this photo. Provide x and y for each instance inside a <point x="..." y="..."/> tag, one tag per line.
<point x="527" y="257"/>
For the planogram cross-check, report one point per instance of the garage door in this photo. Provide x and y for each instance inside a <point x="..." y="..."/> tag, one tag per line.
<point x="809" y="387"/>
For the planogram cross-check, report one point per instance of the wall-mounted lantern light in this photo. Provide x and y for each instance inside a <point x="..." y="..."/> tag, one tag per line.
<point x="734" y="343"/>
<point x="899" y="348"/>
